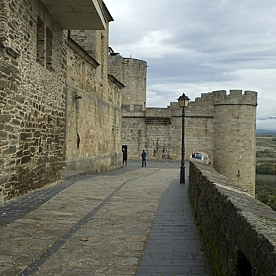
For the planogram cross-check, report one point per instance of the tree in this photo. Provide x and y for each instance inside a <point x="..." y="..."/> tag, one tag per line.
<point x="264" y="168"/>
<point x="263" y="196"/>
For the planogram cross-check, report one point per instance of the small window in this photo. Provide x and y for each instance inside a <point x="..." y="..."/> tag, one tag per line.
<point x="40" y="45"/>
<point x="44" y="45"/>
<point x="49" y="48"/>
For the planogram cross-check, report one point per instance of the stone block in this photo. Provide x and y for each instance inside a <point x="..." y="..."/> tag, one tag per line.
<point x="5" y="118"/>
<point x="3" y="135"/>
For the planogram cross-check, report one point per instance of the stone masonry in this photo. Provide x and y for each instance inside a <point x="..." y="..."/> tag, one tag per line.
<point x="132" y="73"/>
<point x="59" y="107"/>
<point x="32" y="99"/>
<point x="93" y="105"/>
<point x="234" y="137"/>
<point x="237" y="231"/>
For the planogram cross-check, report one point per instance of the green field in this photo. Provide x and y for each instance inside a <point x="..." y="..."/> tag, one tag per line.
<point x="266" y="183"/>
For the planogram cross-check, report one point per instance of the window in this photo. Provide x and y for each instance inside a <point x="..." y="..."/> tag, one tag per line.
<point x="49" y="48"/>
<point x="40" y="42"/>
<point x="44" y="45"/>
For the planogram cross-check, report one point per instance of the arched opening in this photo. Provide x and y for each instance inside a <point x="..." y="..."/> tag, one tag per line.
<point x="243" y="265"/>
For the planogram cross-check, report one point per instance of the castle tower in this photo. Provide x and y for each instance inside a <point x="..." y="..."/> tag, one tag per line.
<point x="234" y="137"/>
<point x="132" y="73"/>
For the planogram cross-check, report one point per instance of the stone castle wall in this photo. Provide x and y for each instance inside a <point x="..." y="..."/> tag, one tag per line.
<point x="199" y="125"/>
<point x="156" y="130"/>
<point x="93" y="114"/>
<point x="32" y="99"/>
<point x="59" y="107"/>
<point x="159" y="130"/>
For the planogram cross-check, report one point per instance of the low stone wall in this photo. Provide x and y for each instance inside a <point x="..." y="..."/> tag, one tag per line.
<point x="96" y="164"/>
<point x="238" y="232"/>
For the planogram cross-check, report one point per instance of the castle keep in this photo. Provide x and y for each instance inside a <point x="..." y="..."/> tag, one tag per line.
<point x="66" y="102"/>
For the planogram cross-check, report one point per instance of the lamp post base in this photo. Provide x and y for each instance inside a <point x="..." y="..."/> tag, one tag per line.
<point x="182" y="174"/>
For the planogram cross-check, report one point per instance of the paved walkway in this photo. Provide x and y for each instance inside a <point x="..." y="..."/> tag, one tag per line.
<point x="109" y="223"/>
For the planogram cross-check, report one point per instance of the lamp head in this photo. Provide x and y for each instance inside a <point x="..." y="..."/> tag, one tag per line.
<point x="183" y="100"/>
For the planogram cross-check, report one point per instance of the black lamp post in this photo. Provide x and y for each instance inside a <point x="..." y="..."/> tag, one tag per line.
<point x="183" y="101"/>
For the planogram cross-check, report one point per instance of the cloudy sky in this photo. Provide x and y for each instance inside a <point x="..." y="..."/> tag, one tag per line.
<point x="198" y="46"/>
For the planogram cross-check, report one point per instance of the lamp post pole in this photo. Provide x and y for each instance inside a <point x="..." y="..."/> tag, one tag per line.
<point x="183" y="101"/>
<point x="182" y="168"/>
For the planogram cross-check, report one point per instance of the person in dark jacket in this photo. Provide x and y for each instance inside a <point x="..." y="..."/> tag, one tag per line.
<point x="144" y="158"/>
<point x="124" y="157"/>
<point x="199" y="156"/>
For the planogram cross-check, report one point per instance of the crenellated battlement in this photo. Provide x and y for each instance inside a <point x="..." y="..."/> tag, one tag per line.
<point x="235" y="97"/>
<point x="205" y="100"/>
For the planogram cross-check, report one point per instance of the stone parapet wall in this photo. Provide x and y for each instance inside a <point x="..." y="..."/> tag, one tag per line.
<point x="202" y="106"/>
<point x="158" y="112"/>
<point x="94" y="164"/>
<point x="237" y="231"/>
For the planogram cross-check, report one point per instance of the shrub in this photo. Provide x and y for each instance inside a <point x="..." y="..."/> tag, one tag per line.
<point x="266" y="168"/>
<point x="266" y="189"/>
<point x="265" y="153"/>
<point x="263" y="196"/>
<point x="272" y="201"/>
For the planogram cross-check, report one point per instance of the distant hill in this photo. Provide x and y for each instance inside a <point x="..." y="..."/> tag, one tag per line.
<point x="266" y="132"/>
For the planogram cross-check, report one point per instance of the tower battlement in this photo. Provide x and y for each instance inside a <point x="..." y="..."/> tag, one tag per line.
<point x="235" y="97"/>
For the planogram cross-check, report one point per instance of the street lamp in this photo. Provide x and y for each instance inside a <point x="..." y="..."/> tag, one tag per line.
<point x="183" y="101"/>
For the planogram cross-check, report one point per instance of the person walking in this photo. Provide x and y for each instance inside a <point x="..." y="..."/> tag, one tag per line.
<point x="144" y="158"/>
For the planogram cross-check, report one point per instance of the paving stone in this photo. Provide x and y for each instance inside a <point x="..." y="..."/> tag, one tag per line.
<point x="173" y="246"/>
<point x="100" y="225"/>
